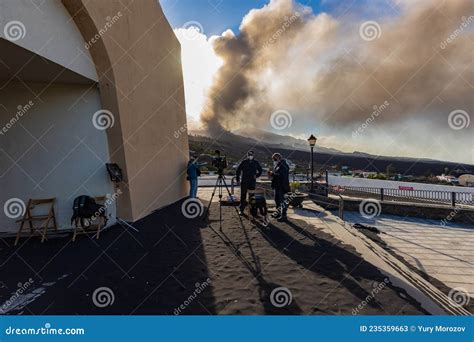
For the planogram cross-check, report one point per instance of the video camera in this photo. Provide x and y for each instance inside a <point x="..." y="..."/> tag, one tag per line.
<point x="219" y="162"/>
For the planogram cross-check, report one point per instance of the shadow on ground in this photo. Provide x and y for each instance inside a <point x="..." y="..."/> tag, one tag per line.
<point x="249" y="263"/>
<point x="154" y="271"/>
<point x="175" y="265"/>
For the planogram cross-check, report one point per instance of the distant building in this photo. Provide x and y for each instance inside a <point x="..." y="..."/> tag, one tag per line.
<point x="345" y="170"/>
<point x="447" y="178"/>
<point x="358" y="173"/>
<point x="291" y="165"/>
<point x="368" y="174"/>
<point x="466" y="180"/>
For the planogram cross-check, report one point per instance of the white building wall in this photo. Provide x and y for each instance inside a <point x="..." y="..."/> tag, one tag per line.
<point x="49" y="31"/>
<point x="53" y="150"/>
<point x="387" y="184"/>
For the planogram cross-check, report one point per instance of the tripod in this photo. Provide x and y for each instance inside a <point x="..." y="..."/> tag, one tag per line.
<point x="220" y="184"/>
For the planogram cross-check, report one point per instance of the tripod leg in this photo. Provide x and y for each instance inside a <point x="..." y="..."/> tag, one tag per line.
<point x="219" y="182"/>
<point x="230" y="194"/>
<point x="220" y="217"/>
<point x="210" y="201"/>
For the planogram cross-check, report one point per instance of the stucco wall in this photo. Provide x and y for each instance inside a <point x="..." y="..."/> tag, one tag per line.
<point x="49" y="32"/>
<point x="53" y="150"/>
<point x="139" y="67"/>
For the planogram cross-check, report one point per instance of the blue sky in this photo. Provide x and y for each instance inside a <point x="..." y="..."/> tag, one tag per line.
<point x="217" y="16"/>
<point x="394" y="47"/>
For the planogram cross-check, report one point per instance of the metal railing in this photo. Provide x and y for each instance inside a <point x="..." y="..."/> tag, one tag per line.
<point x="328" y="203"/>
<point x="398" y="195"/>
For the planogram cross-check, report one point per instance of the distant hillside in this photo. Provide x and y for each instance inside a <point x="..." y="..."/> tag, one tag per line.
<point x="285" y="140"/>
<point x="236" y="146"/>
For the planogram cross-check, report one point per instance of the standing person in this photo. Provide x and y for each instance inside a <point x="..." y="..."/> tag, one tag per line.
<point x="281" y="184"/>
<point x="193" y="172"/>
<point x="250" y="170"/>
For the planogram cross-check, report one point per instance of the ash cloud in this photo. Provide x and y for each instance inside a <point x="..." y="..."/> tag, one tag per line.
<point x="320" y="69"/>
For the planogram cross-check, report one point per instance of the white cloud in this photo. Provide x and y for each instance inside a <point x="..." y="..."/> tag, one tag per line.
<point x="200" y="63"/>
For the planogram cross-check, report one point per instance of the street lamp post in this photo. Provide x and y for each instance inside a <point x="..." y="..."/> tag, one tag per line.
<point x="312" y="142"/>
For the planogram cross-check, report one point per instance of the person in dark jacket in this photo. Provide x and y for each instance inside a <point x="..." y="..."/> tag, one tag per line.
<point x="281" y="184"/>
<point x="250" y="170"/>
<point x="193" y="172"/>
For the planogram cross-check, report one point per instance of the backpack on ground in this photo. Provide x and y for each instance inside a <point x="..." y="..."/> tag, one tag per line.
<point x="258" y="204"/>
<point x="85" y="210"/>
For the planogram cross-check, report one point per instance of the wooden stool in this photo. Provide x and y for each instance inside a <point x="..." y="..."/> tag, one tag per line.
<point x="92" y="228"/>
<point x="50" y="217"/>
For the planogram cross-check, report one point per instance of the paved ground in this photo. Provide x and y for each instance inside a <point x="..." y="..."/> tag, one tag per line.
<point x="445" y="253"/>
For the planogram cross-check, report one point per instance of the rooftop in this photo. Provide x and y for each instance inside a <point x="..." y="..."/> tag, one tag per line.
<point x="175" y="265"/>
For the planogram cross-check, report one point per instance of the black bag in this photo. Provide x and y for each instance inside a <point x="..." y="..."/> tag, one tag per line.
<point x="85" y="208"/>
<point x="258" y="204"/>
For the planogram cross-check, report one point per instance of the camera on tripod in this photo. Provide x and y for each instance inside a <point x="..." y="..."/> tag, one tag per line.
<point x="219" y="162"/>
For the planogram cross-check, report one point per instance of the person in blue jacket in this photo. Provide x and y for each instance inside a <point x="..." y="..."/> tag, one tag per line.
<point x="193" y="172"/>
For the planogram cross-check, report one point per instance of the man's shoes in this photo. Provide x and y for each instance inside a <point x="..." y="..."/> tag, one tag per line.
<point x="276" y="215"/>
<point x="241" y="213"/>
<point x="282" y="219"/>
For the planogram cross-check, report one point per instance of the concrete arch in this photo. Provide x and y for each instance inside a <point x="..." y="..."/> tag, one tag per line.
<point x="142" y="85"/>
<point x="45" y="28"/>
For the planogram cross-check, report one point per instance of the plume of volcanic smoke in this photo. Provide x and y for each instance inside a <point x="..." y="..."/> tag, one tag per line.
<point x="335" y="71"/>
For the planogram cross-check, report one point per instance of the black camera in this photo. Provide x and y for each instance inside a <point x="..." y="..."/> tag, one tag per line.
<point x="219" y="162"/>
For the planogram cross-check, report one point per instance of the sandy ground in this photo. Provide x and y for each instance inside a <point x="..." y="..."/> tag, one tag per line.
<point x="176" y="265"/>
<point x="323" y="275"/>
